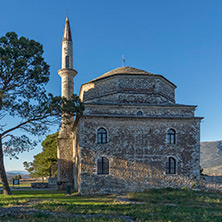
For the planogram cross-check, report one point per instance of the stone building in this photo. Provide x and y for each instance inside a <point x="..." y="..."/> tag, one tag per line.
<point x="132" y="135"/>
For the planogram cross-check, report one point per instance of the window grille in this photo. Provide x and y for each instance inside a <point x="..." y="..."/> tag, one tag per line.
<point x="171" y="136"/>
<point x="101" y="136"/>
<point x="103" y="166"/>
<point x="171" y="166"/>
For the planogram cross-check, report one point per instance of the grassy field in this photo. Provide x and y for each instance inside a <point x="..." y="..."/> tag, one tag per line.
<point x="154" y="205"/>
<point x="28" y="185"/>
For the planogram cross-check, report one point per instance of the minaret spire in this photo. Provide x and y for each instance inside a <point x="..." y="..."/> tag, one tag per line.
<point x="67" y="72"/>
<point x="67" y="48"/>
<point x="67" y="31"/>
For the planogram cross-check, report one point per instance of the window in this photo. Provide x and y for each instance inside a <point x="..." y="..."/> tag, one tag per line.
<point x="103" y="166"/>
<point x="171" y="166"/>
<point x="101" y="136"/>
<point x="139" y="113"/>
<point x="67" y="62"/>
<point x="171" y="136"/>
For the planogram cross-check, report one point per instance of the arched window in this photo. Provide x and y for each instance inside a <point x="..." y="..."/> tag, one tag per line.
<point x="139" y="113"/>
<point x="171" y="166"/>
<point x="101" y="136"/>
<point x="103" y="166"/>
<point x="171" y="136"/>
<point x="67" y="62"/>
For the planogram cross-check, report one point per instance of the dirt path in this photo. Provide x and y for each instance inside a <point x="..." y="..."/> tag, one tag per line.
<point x="27" y="209"/>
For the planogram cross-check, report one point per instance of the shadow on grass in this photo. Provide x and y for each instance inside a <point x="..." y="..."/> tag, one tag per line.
<point x="159" y="204"/>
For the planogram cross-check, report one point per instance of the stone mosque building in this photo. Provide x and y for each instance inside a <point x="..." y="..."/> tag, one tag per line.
<point x="132" y="134"/>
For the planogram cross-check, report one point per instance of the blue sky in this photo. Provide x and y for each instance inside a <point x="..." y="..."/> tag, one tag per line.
<point x="180" y="39"/>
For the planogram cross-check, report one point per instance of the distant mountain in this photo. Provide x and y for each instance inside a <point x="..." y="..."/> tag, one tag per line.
<point x="17" y="172"/>
<point x="211" y="157"/>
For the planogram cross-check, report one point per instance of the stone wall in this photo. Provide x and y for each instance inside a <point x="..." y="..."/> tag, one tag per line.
<point x="129" y="89"/>
<point x="132" y="110"/>
<point x="65" y="154"/>
<point x="137" y="152"/>
<point x="76" y="157"/>
<point x="212" y="179"/>
<point x="65" y="162"/>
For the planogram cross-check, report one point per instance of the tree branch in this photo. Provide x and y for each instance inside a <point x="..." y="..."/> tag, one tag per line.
<point x="26" y="122"/>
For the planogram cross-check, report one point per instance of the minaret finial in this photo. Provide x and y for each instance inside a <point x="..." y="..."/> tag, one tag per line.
<point x="67" y="31"/>
<point x="123" y="60"/>
<point x="67" y="12"/>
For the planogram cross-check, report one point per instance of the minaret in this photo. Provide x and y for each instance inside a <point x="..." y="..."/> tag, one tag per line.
<point x="67" y="72"/>
<point x="65" y="140"/>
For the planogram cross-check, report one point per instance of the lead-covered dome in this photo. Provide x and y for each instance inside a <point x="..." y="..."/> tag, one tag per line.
<point x="124" y="70"/>
<point x="128" y="85"/>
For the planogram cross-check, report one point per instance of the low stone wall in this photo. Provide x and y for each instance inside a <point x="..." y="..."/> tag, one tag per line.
<point x="39" y="185"/>
<point x="205" y="184"/>
<point x="212" y="179"/>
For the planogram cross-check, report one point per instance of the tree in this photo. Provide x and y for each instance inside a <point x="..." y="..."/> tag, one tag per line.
<point x="23" y="76"/>
<point x="44" y="163"/>
<point x="18" y="177"/>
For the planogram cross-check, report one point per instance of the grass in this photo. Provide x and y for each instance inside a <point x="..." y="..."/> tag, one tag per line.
<point x="157" y="205"/>
<point x="23" y="185"/>
<point x="41" y="218"/>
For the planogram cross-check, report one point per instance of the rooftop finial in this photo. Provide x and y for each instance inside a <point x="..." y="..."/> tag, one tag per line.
<point x="67" y="12"/>
<point x="123" y="60"/>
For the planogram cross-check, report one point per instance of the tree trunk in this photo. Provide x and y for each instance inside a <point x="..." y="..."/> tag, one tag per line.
<point x="6" y="188"/>
<point x="50" y="171"/>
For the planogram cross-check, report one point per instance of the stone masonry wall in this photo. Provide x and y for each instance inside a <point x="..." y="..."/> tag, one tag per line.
<point x="213" y="179"/>
<point x="137" y="153"/>
<point x="65" y="162"/>
<point x="76" y="158"/>
<point x="147" y="111"/>
<point x="129" y="89"/>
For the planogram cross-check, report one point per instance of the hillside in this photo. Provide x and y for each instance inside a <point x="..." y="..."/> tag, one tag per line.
<point x="211" y="157"/>
<point x="17" y="172"/>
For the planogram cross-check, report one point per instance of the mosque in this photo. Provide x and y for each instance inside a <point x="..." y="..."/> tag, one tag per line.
<point x="132" y="135"/>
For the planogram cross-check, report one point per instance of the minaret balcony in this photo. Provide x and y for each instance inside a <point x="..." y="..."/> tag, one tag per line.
<point x="67" y="72"/>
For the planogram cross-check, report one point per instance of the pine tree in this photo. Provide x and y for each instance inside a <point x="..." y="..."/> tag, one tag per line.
<point x="45" y="163"/>
<point x="23" y="76"/>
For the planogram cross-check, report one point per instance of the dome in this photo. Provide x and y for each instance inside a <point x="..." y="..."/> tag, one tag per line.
<point x="124" y="70"/>
<point x="130" y="86"/>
